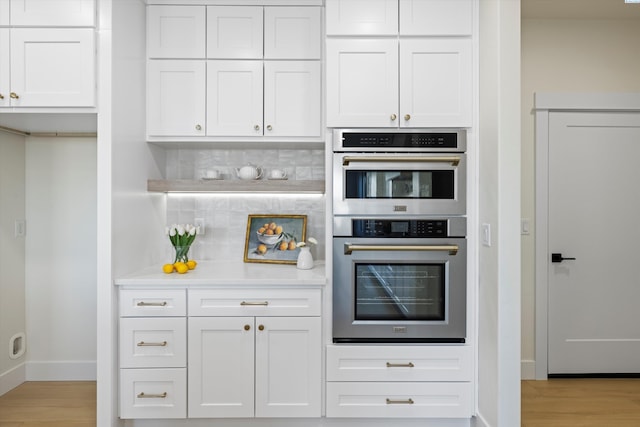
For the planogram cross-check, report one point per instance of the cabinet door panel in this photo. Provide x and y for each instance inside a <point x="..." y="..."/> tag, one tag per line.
<point x="176" y="31"/>
<point x="5" y="81"/>
<point x="221" y="367"/>
<point x="159" y="342"/>
<point x="4" y="14"/>
<point x="153" y="393"/>
<point x="288" y="367"/>
<point x="292" y="33"/>
<point x="436" y="17"/>
<point x="292" y="98"/>
<point x="436" y="83"/>
<point x="234" y="32"/>
<point x="176" y="98"/>
<point x="362" y="83"/>
<point x="362" y="17"/>
<point x="53" y="12"/>
<point x="53" y="67"/>
<point x="234" y="98"/>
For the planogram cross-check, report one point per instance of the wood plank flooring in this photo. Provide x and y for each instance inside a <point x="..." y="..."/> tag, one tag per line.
<point x="552" y="403"/>
<point x="50" y="404"/>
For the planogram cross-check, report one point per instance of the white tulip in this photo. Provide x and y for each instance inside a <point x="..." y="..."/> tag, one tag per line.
<point x="180" y="230"/>
<point x="312" y="240"/>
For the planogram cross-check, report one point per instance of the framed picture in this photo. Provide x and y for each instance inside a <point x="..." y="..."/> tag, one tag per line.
<point x="273" y="238"/>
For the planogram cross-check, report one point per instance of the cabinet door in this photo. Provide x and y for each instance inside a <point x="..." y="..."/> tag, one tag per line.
<point x="176" y="32"/>
<point x="221" y="367"/>
<point x="435" y="83"/>
<point x="176" y="98"/>
<point x="288" y="366"/>
<point x="292" y="33"/>
<point x="53" y="67"/>
<point x="292" y="98"/>
<point x="362" y="83"/>
<point x="67" y="13"/>
<point x="362" y="17"/>
<point x="436" y="17"/>
<point x="4" y="13"/>
<point x="234" y="98"/>
<point x="5" y="81"/>
<point x="234" y="32"/>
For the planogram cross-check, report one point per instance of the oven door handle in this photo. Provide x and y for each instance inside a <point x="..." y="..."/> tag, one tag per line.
<point x="349" y="248"/>
<point x="454" y="160"/>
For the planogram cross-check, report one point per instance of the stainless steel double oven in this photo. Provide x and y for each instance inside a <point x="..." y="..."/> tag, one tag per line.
<point x="399" y="236"/>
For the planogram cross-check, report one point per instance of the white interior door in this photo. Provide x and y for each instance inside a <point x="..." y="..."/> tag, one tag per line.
<point x="594" y="212"/>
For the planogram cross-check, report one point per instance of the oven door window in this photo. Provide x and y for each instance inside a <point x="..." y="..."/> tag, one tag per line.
<point x="399" y="291"/>
<point x="400" y="184"/>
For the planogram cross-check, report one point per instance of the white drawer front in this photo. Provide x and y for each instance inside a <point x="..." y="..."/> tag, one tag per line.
<point x="399" y="400"/>
<point x="145" y="303"/>
<point x="399" y="363"/>
<point x="153" y="393"/>
<point x="153" y="342"/>
<point x="255" y="302"/>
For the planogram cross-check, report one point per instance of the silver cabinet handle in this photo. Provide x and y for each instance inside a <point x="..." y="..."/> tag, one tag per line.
<point x="1" y="96"/>
<point x="454" y="160"/>
<point x="393" y="117"/>
<point x="152" y="304"/>
<point x="198" y="127"/>
<point x="452" y="249"/>
<point x="399" y="402"/>
<point x="257" y="127"/>
<point x="269" y="127"/>
<point x="152" y="396"/>
<point x="400" y="365"/>
<point x="407" y="117"/>
<point x="254" y="303"/>
<point x="152" y="344"/>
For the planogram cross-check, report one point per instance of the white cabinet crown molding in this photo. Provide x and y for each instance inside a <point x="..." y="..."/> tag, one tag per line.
<point x="238" y="2"/>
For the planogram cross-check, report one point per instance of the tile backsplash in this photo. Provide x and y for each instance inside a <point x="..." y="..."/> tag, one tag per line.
<point x="225" y="215"/>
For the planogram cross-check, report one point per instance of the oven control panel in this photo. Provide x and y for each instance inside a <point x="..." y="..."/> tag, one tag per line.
<point x="400" y="140"/>
<point x="414" y="228"/>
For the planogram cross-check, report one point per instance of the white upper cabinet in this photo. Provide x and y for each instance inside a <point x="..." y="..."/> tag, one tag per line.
<point x="52" y="67"/>
<point x="4" y="12"/>
<point x="292" y="33"/>
<point x="67" y="13"/>
<point x="234" y="98"/>
<point x="5" y="67"/>
<point x="176" y="32"/>
<point x="362" y="82"/>
<point x="292" y="98"/>
<point x="436" y="17"/>
<point x="234" y="32"/>
<point x="362" y="17"/>
<point x="436" y="83"/>
<point x="176" y="99"/>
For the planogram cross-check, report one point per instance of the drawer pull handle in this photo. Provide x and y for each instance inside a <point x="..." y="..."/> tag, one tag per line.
<point x="254" y="303"/>
<point x="399" y="402"/>
<point x="152" y="344"/>
<point x="152" y="304"/>
<point x="153" y="396"/>
<point x="400" y="365"/>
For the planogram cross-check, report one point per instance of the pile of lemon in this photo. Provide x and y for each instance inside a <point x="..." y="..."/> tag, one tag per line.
<point x="179" y="267"/>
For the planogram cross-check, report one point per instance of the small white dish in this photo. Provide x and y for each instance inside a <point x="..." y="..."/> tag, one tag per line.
<point x="278" y="179"/>
<point x="206" y="178"/>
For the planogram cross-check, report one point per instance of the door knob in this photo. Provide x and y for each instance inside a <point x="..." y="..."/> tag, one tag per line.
<point x="559" y="258"/>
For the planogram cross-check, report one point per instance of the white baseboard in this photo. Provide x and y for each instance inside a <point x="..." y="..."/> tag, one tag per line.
<point x="12" y="378"/>
<point x="61" y="371"/>
<point x="528" y="369"/>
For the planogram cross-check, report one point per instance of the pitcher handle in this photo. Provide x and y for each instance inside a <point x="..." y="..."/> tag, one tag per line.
<point x="259" y="172"/>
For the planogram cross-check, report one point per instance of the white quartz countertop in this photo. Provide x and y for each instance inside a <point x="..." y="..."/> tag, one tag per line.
<point x="211" y="273"/>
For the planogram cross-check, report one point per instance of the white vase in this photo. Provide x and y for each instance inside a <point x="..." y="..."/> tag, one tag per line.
<point x="305" y="259"/>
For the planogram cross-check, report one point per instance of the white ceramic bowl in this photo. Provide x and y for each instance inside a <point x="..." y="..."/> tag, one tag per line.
<point x="269" y="239"/>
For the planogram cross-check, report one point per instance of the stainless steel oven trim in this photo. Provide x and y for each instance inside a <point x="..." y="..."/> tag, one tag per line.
<point x="343" y="225"/>
<point x="461" y="133"/>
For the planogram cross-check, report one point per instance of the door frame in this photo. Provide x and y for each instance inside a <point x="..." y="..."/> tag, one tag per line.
<point x="546" y="103"/>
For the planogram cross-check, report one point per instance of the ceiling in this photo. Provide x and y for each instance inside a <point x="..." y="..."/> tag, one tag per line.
<point x="579" y="9"/>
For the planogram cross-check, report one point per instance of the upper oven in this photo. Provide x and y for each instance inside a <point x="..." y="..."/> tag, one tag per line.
<point x="412" y="172"/>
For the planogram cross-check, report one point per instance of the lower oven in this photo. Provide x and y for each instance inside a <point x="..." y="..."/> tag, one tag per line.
<point x="399" y="280"/>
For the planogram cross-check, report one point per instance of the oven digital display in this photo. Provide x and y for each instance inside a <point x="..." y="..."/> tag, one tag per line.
<point x="399" y="227"/>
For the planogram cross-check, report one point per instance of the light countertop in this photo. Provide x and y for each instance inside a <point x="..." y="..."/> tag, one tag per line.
<point x="212" y="273"/>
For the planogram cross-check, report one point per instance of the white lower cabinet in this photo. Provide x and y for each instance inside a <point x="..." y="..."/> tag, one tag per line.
<point x="399" y="381"/>
<point x="153" y="393"/>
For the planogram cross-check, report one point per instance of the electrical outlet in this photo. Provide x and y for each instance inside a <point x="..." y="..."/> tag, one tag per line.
<point x="199" y="222"/>
<point x="486" y="235"/>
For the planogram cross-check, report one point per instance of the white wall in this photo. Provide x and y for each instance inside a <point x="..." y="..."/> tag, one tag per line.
<point x="499" y="206"/>
<point x="60" y="268"/>
<point x="563" y="55"/>
<point x="12" y="304"/>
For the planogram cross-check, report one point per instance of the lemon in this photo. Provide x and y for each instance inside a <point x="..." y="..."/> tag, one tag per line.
<point x="182" y="268"/>
<point x="167" y="268"/>
<point x="191" y="264"/>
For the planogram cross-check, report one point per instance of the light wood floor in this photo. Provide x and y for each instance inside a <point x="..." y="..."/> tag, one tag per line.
<point x="50" y="404"/>
<point x="552" y="403"/>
